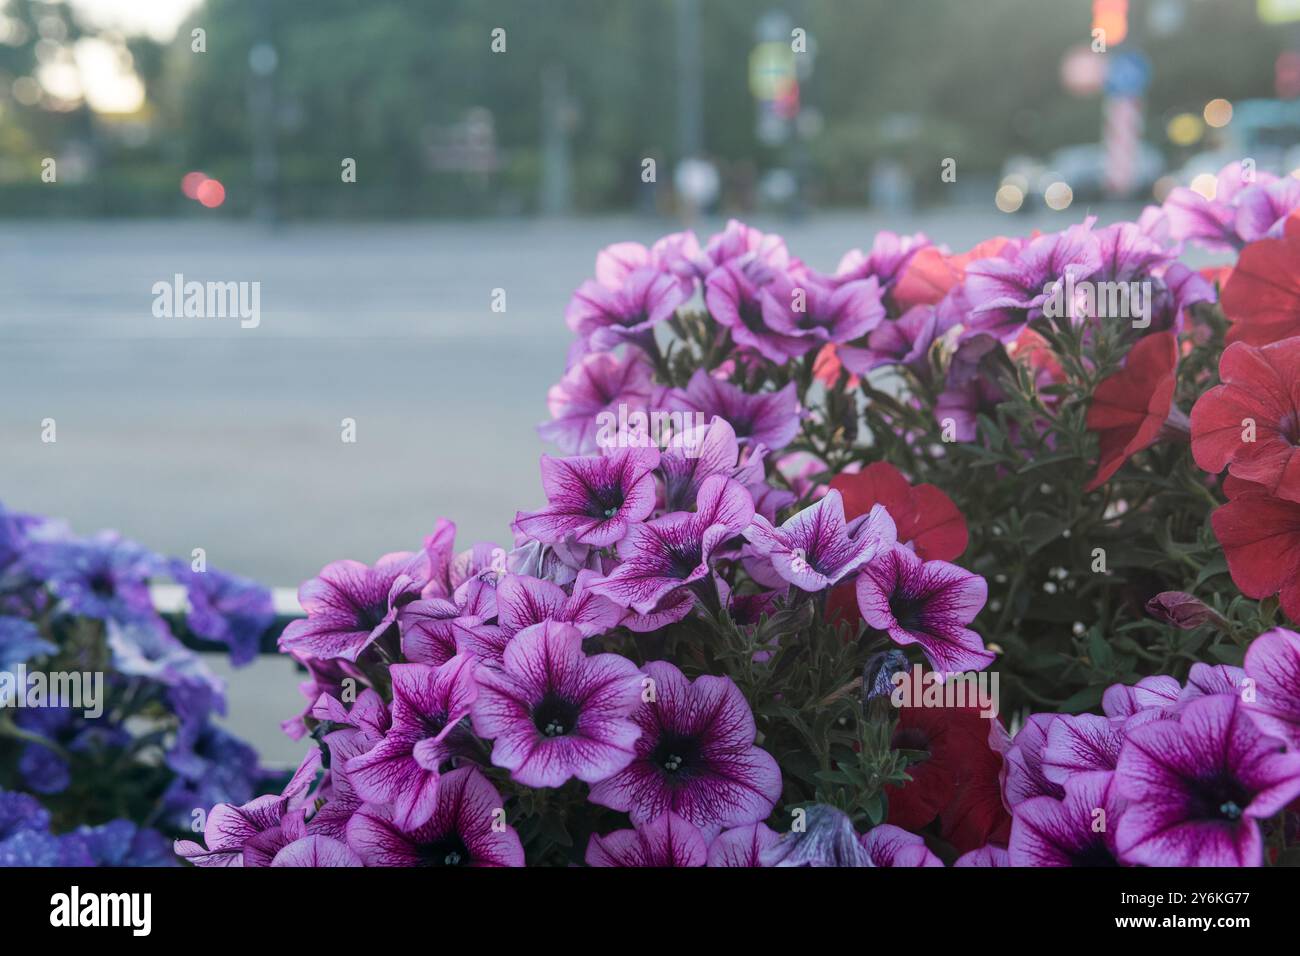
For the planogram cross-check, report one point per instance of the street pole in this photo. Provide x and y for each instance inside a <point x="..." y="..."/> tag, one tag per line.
<point x="690" y="109"/>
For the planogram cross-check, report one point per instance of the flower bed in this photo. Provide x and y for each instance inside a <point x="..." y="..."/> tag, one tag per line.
<point x="979" y="559"/>
<point x="108" y="751"/>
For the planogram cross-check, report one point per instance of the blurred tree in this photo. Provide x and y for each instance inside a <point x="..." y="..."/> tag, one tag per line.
<point x="404" y="86"/>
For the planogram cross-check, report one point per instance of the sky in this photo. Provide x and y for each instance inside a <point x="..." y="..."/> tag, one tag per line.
<point x="96" y="71"/>
<point x="158" y="18"/>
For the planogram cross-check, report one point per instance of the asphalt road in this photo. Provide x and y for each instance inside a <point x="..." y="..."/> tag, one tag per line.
<point x="185" y="433"/>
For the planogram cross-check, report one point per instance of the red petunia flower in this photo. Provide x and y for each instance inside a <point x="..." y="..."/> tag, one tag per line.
<point x="923" y="515"/>
<point x="1260" y="535"/>
<point x="931" y="274"/>
<point x="1130" y="408"/>
<point x="1262" y="297"/>
<point x="1251" y="423"/>
<point x="957" y="784"/>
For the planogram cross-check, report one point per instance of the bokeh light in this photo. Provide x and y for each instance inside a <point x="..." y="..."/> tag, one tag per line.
<point x="191" y="182"/>
<point x="1218" y="113"/>
<point x="211" y="193"/>
<point x="1185" y="129"/>
<point x="1009" y="198"/>
<point x="1058" y="196"/>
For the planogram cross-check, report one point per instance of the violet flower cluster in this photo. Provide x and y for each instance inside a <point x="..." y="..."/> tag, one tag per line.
<point x="107" y="743"/>
<point x="687" y="653"/>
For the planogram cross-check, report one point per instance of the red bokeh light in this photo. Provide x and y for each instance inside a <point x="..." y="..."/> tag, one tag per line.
<point x="191" y="182"/>
<point x="211" y="193"/>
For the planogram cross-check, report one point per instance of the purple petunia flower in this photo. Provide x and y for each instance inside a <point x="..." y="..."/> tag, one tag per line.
<point x="122" y="843"/>
<point x="738" y="241"/>
<point x="1077" y="830"/>
<point x="1197" y="786"/>
<point x="431" y="628"/>
<point x="234" y="833"/>
<point x="767" y="418"/>
<point x="102" y="577"/>
<point x="902" y="341"/>
<point x="1128" y="255"/>
<point x="889" y="256"/>
<point x="673" y="552"/>
<point x="985" y="856"/>
<point x="1024" y="776"/>
<point x="819" y="311"/>
<point x="965" y="398"/>
<point x="1273" y="663"/>
<point x="467" y="829"/>
<point x="226" y="608"/>
<point x="1079" y="744"/>
<point x="816" y="548"/>
<point x="20" y="641"/>
<point x="892" y="846"/>
<point x="341" y="800"/>
<point x="1006" y="294"/>
<point x="594" y="500"/>
<point x="316" y="851"/>
<point x="20" y="812"/>
<point x="677" y="253"/>
<point x="733" y="296"/>
<point x="350" y="606"/>
<point x="927" y="603"/>
<point x="667" y="840"/>
<point x="211" y="767"/>
<point x="523" y="601"/>
<point x="695" y="756"/>
<point x="1244" y="209"/>
<point x="702" y="452"/>
<point x="607" y="317"/>
<point x="1151" y="698"/>
<point x="743" y="846"/>
<point x="1205" y="680"/>
<point x="553" y="713"/>
<point x="426" y="733"/>
<point x="598" y="382"/>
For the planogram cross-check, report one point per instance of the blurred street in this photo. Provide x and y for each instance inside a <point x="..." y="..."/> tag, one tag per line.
<point x="186" y="433"/>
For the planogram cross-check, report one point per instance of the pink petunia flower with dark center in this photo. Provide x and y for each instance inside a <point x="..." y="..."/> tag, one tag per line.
<point x="466" y="829"/>
<point x="699" y="453"/>
<point x="768" y="418"/>
<point x="607" y="317"/>
<point x="817" y="310"/>
<point x="351" y="606"/>
<point x="1197" y="787"/>
<point x="597" y="382"/>
<point x="666" y="841"/>
<point x="523" y="601"/>
<point x="1076" y="830"/>
<point x="1273" y="663"/>
<point x="927" y="603"/>
<point x="817" y="548"/>
<point x="429" y="627"/>
<point x="695" y="756"/>
<point x="675" y="551"/>
<point x="427" y="733"/>
<point x="733" y="294"/>
<point x="737" y="241"/>
<point x="594" y="500"/>
<point x="554" y="713"/>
